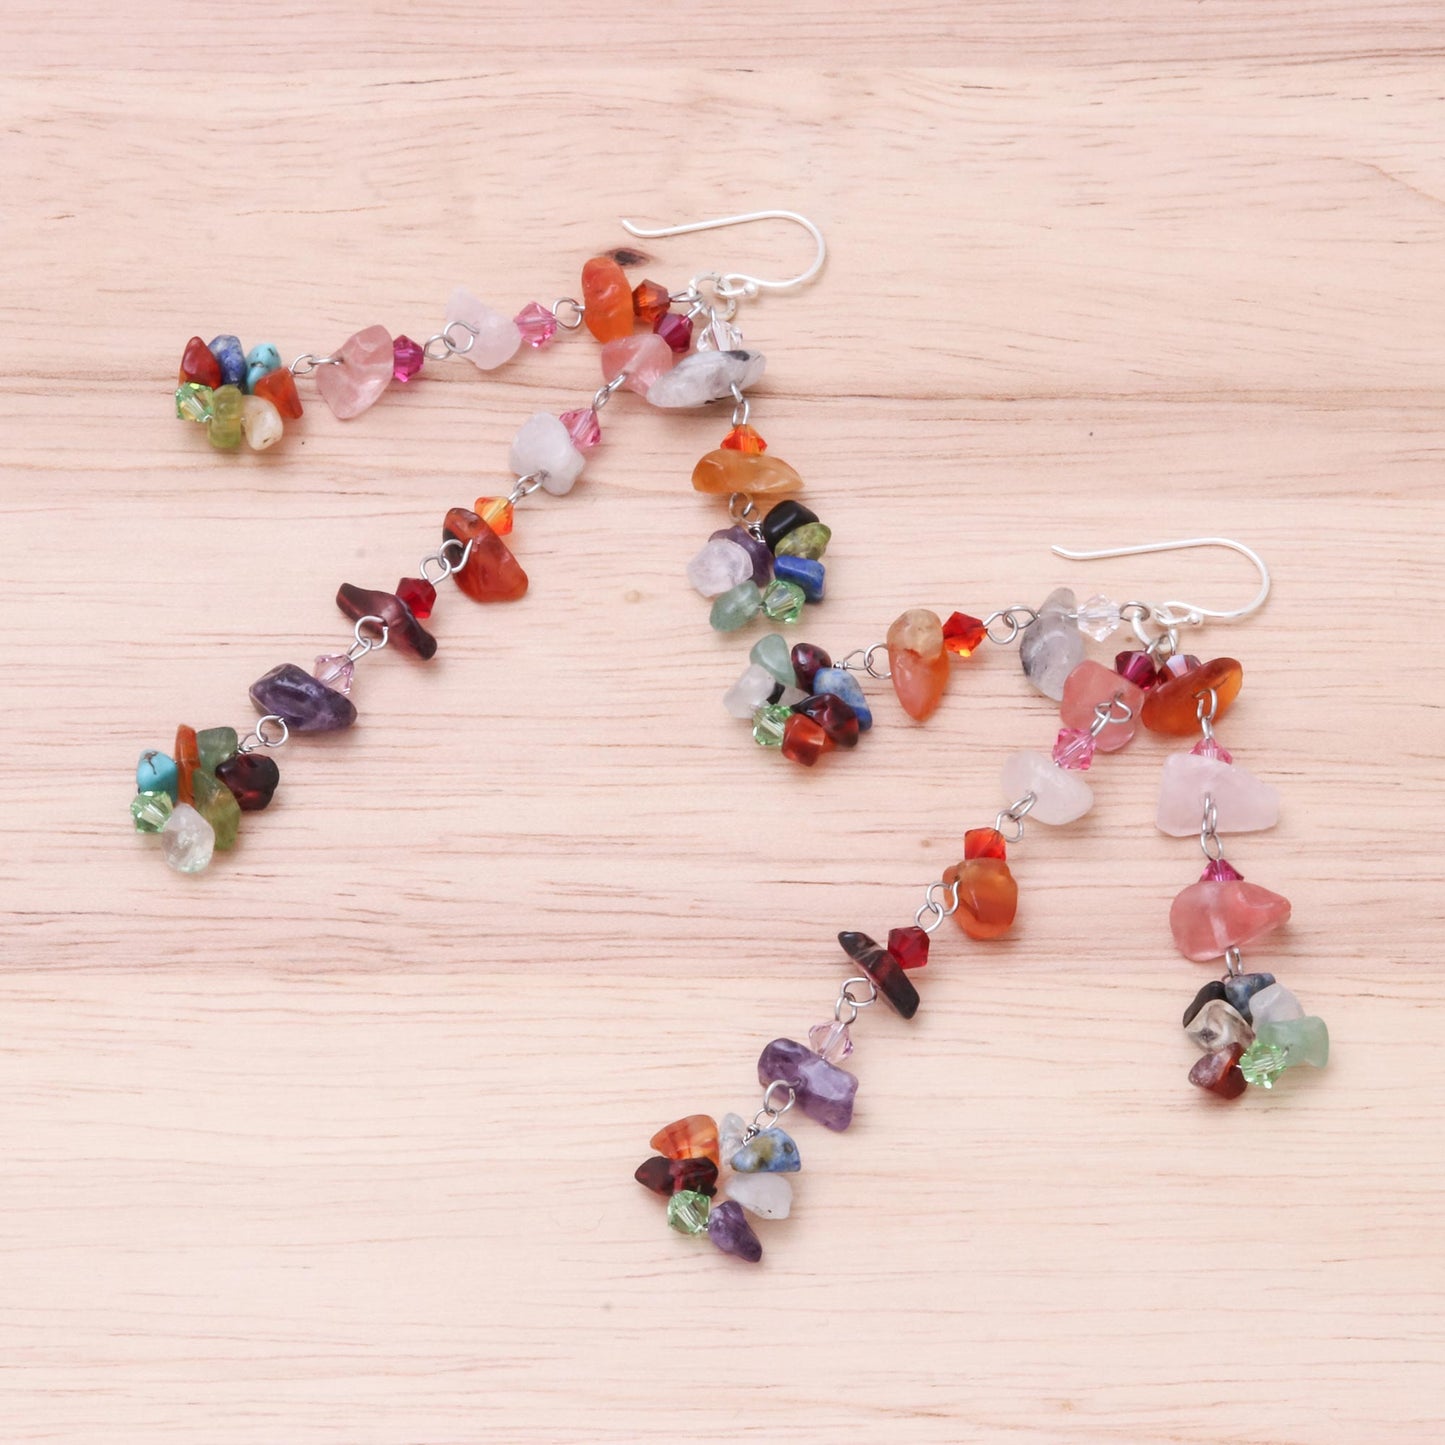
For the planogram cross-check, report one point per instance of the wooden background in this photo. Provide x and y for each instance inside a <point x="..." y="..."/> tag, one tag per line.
<point x="334" y="1144"/>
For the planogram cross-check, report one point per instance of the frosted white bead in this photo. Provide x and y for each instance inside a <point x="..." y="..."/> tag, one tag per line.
<point x="704" y="376"/>
<point x="769" y="1196"/>
<point x="1060" y="796"/>
<point x="543" y="446"/>
<point x="1243" y="803"/>
<point x="1052" y="646"/>
<point x="719" y="567"/>
<point x="497" y="337"/>
<point x="261" y="422"/>
<point x="1274" y="1004"/>
<point x="750" y="691"/>
<point x="730" y="1131"/>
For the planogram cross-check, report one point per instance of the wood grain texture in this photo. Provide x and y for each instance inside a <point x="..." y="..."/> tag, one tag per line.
<point x="332" y="1146"/>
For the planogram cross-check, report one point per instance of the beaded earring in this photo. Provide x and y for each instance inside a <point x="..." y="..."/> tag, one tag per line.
<point x="1250" y="1027"/>
<point x="689" y="354"/>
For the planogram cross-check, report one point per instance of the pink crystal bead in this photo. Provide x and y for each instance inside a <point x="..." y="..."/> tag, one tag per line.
<point x="1178" y="665"/>
<point x="1090" y="685"/>
<point x="359" y="374"/>
<point x="583" y="427"/>
<point x="537" y="325"/>
<point x="676" y="330"/>
<point x="1209" y="918"/>
<point x="1074" y="748"/>
<point x="1221" y="870"/>
<point x="644" y="358"/>
<point x="1138" y="667"/>
<point x="832" y="1040"/>
<point x="334" y="670"/>
<point x="407" y="357"/>
<point x="1210" y="748"/>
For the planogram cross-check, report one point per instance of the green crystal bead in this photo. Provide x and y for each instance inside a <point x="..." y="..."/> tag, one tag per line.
<point x="1281" y="1044"/>
<point x="773" y="653"/>
<point x="149" y="811"/>
<point x="216" y="746"/>
<point x="736" y="607"/>
<point x="217" y="804"/>
<point x="687" y="1211"/>
<point x="783" y="601"/>
<point x="1261" y="1064"/>
<point x="193" y="401"/>
<point x="227" y="403"/>
<point x="768" y="724"/>
<point x="810" y="540"/>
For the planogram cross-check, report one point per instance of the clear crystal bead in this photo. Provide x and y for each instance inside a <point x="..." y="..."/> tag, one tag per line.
<point x="1099" y="618"/>
<point x="832" y="1040"/>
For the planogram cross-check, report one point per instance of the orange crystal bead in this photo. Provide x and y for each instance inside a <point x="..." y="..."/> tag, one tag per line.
<point x="1173" y="706"/>
<point x="606" y="299"/>
<point x="918" y="662"/>
<point x="491" y="573"/>
<point x="744" y="439"/>
<point x="692" y="1138"/>
<point x="496" y="512"/>
<point x="279" y="388"/>
<point x="984" y="843"/>
<point x="988" y="897"/>
<point x="722" y="472"/>
<point x="963" y="635"/>
<point x="651" y="301"/>
<point x="188" y="758"/>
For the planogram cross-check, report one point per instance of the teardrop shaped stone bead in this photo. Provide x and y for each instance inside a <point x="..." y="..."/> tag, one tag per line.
<point x="1173" y="706"/>
<point x="988" y="896"/>
<point x="722" y="472"/>
<point x="1209" y="918"/>
<point x="261" y="423"/>
<point x="491" y="573"/>
<point x="403" y="631"/>
<point x="497" y="336"/>
<point x="187" y="840"/>
<point x="772" y="652"/>
<point x="305" y="705"/>
<point x="841" y="683"/>
<point x="736" y="607"/>
<point x="704" y="376"/>
<point x="214" y="746"/>
<point x="1243" y="803"/>
<point x="887" y="974"/>
<point x="822" y="1090"/>
<point x="694" y="1137"/>
<point x="606" y="299"/>
<point x="729" y="1229"/>
<point x="543" y="448"/>
<point x="918" y="662"/>
<point x="279" y="388"/>
<point x="808" y="661"/>
<point x="770" y="1151"/>
<point x="361" y="373"/>
<point x="252" y="779"/>
<point x="1217" y="1025"/>
<point x="769" y="1196"/>
<point x="199" y="365"/>
<point x="1090" y="685"/>
<point x="1060" y="795"/>
<point x="1052" y="646"/>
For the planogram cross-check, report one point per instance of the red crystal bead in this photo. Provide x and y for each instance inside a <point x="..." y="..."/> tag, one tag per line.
<point x="419" y="595"/>
<point x="909" y="946"/>
<point x="676" y="330"/>
<point x="744" y="439"/>
<point x="1221" y="870"/>
<point x="651" y="301"/>
<point x="1138" y="667"/>
<point x="984" y="843"/>
<point x="407" y="358"/>
<point x="963" y="635"/>
<point x="199" y="364"/>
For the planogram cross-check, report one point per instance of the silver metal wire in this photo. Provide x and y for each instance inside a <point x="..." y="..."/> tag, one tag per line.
<point x="575" y="312"/>
<point x="1209" y="840"/>
<point x="1014" y="617"/>
<point x="1233" y="961"/>
<point x="742" y="409"/>
<point x="1116" y="710"/>
<point x="861" y="660"/>
<point x="365" y="644"/>
<point x="933" y="909"/>
<point x="741" y="508"/>
<point x="257" y="737"/>
<point x="442" y="559"/>
<point x="1206" y="710"/>
<point x="854" y="1006"/>
<point x="306" y="363"/>
<point x="603" y="394"/>
<point x="525" y="487"/>
<point x="771" y="1112"/>
<point x="1010" y="822"/>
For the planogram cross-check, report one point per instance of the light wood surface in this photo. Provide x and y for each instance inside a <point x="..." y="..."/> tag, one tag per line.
<point x="334" y="1144"/>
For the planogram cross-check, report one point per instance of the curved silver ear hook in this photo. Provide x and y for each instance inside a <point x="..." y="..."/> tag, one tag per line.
<point x="733" y="284"/>
<point x="1176" y="613"/>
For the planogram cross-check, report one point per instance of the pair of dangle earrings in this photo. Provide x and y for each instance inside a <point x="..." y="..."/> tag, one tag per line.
<point x="676" y="347"/>
<point x="720" y="1177"/>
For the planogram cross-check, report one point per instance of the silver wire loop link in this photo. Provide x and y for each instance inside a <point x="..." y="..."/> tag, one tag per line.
<point x="861" y="660"/>
<point x="1206" y="709"/>
<point x="1209" y="841"/>
<point x="851" y="1005"/>
<point x="1015" y="618"/>
<point x="257" y="737"/>
<point x="1010" y="822"/>
<point x="771" y="1112"/>
<point x="442" y="558"/>
<point x="742" y="409"/>
<point x="525" y="487"/>
<point x="741" y="508"/>
<point x="449" y="344"/>
<point x="306" y="363"/>
<point x="365" y="644"/>
<point x="1233" y="961"/>
<point x="603" y="394"/>
<point x="1116" y="710"/>
<point x="934" y="909"/>
<point x="575" y="312"/>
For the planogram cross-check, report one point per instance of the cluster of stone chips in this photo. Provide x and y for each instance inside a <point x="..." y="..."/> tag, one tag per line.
<point x="235" y="393"/>
<point x="192" y="799"/>
<point x="1251" y="1030"/>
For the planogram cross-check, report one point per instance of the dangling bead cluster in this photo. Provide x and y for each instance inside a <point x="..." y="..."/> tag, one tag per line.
<point x="797" y="701"/>
<point x="1248" y="1027"/>
<point x="236" y="393"/>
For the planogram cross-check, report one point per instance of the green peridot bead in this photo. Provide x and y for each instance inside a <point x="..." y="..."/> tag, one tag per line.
<point x="773" y="653"/>
<point x="736" y="607"/>
<point x="227" y="403"/>
<point x="193" y="401"/>
<point x="216" y="746"/>
<point x="149" y="811"/>
<point x="687" y="1211"/>
<point x="810" y="540"/>
<point x="768" y="724"/>
<point x="783" y="601"/>
<point x="217" y="804"/>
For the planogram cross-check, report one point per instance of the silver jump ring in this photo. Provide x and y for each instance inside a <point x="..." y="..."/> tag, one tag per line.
<point x="365" y="644"/>
<point x="257" y="738"/>
<point x="1015" y="617"/>
<point x="1233" y="961"/>
<point x="525" y="487"/>
<point x="575" y="311"/>
<point x="741" y="513"/>
<point x="741" y="407"/>
<point x="455" y="347"/>
<point x="603" y="394"/>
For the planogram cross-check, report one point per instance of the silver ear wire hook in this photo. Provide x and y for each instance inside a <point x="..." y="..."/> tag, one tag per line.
<point x="1174" y="614"/>
<point x="732" y="284"/>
